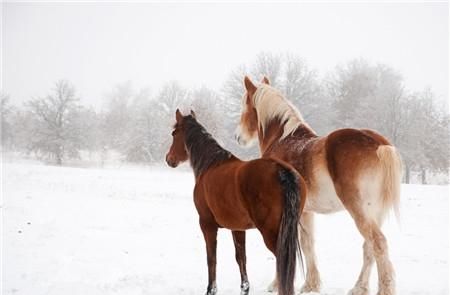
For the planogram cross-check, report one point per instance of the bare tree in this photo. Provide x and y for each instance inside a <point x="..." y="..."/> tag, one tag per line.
<point x="233" y="88"/>
<point x="116" y="117"/>
<point x="171" y="97"/>
<point x="137" y="125"/>
<point x="299" y="81"/>
<point x="269" y="65"/>
<point x="301" y="85"/>
<point x="55" y="132"/>
<point x="208" y="107"/>
<point x="352" y="88"/>
<point x="141" y="144"/>
<point x="6" y="111"/>
<point x="426" y="145"/>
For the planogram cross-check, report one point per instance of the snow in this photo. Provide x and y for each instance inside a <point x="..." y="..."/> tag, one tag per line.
<point x="135" y="230"/>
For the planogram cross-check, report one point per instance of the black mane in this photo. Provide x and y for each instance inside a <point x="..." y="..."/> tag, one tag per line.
<point x="203" y="149"/>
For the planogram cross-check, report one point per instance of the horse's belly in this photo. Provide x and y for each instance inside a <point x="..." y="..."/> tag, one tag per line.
<point x="229" y="213"/>
<point x="322" y="197"/>
<point x="323" y="203"/>
<point x="234" y="222"/>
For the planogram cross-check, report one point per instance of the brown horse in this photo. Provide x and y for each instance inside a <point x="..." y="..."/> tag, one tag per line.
<point x="237" y="195"/>
<point x="356" y="170"/>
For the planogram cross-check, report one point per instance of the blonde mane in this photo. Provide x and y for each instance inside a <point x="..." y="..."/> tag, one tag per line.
<point x="270" y="104"/>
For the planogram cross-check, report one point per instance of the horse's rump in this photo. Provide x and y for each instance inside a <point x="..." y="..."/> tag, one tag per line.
<point x="350" y="152"/>
<point x="365" y="160"/>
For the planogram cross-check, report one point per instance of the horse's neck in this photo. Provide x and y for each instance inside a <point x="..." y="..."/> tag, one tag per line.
<point x="271" y="135"/>
<point x="206" y="152"/>
<point x="269" y="141"/>
<point x="304" y="133"/>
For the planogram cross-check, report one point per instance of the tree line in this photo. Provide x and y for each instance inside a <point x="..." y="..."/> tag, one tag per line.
<point x="137" y="124"/>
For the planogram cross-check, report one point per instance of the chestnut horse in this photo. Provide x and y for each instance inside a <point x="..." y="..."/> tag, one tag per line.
<point x="353" y="169"/>
<point x="229" y="193"/>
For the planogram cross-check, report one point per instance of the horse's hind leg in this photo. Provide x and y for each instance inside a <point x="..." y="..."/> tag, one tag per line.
<point x="210" y="234"/>
<point x="270" y="239"/>
<point x="375" y="248"/>
<point x="306" y="233"/>
<point x="362" y="284"/>
<point x="241" y="259"/>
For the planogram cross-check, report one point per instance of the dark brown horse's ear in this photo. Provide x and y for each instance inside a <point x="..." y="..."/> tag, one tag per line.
<point x="251" y="88"/>
<point x="193" y="114"/>
<point x="178" y="115"/>
<point x="265" y="80"/>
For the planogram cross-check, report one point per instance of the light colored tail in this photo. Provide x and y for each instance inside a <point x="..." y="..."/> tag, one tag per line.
<point x="392" y="172"/>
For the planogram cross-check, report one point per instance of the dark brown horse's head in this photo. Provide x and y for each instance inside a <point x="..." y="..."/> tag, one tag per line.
<point x="247" y="129"/>
<point x="178" y="153"/>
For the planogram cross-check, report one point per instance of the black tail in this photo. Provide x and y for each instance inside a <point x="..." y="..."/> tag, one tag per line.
<point x="288" y="246"/>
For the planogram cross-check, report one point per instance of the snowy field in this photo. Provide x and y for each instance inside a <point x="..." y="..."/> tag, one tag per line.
<point x="135" y="231"/>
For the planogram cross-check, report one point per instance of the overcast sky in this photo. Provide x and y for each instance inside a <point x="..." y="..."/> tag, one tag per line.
<point x="97" y="45"/>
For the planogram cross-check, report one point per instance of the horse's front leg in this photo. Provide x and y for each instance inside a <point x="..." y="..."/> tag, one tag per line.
<point x="209" y="230"/>
<point x="306" y="232"/>
<point x="241" y="259"/>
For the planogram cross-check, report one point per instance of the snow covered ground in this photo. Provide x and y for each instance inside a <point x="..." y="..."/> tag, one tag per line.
<point x="135" y="231"/>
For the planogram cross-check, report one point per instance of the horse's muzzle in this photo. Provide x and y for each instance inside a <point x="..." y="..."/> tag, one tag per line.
<point x="171" y="162"/>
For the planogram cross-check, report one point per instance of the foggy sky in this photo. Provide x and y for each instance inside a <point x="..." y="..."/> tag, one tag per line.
<point x="97" y="45"/>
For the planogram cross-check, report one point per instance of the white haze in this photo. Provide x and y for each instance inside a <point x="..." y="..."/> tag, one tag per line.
<point x="97" y="45"/>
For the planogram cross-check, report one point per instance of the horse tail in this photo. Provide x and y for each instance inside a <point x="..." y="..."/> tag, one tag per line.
<point x="392" y="171"/>
<point x="288" y="247"/>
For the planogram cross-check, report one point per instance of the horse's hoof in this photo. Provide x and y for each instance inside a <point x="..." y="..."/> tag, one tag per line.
<point x="245" y="288"/>
<point x="211" y="291"/>
<point x="273" y="287"/>
<point x="359" y="290"/>
<point x="388" y="291"/>
<point x="308" y="288"/>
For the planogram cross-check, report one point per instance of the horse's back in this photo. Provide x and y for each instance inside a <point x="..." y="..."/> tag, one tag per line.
<point x="360" y="137"/>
